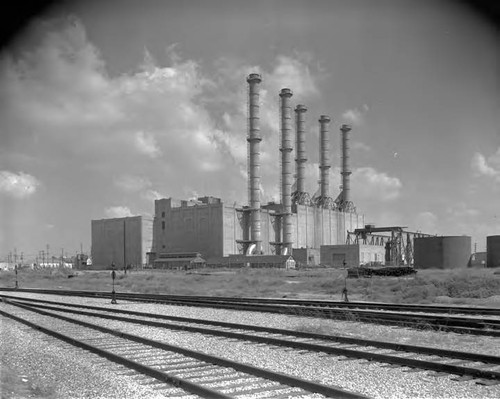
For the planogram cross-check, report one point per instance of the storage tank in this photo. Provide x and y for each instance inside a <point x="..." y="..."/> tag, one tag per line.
<point x="447" y="252"/>
<point x="493" y="251"/>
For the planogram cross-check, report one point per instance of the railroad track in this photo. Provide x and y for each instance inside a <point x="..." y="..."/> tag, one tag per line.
<point x="406" y="316"/>
<point x="436" y="309"/>
<point x="185" y="371"/>
<point x="484" y="369"/>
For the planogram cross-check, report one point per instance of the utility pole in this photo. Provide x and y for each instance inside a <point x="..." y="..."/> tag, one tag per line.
<point x="22" y="257"/>
<point x="62" y="257"/>
<point x="124" y="247"/>
<point x="15" y="256"/>
<point x="43" y="257"/>
<point x="48" y="258"/>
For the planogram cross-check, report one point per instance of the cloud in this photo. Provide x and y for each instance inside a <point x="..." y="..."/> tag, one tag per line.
<point x="358" y="145"/>
<point x="130" y="183"/>
<point x="487" y="167"/>
<point x="146" y="144"/>
<point x="355" y="116"/>
<point x="426" y="222"/>
<point x="59" y="95"/>
<point x="117" y="212"/>
<point x="368" y="183"/>
<point x="18" y="185"/>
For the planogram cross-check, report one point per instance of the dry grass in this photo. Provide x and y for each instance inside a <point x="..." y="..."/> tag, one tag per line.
<point x="472" y="286"/>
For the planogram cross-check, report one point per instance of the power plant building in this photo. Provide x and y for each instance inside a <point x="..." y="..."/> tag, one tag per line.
<point x="217" y="228"/>
<point x="120" y="241"/>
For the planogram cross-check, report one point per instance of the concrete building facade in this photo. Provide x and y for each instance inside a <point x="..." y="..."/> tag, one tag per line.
<point x="122" y="241"/>
<point x="216" y="229"/>
<point x="352" y="254"/>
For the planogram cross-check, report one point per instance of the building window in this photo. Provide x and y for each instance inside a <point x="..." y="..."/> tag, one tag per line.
<point x="163" y="214"/>
<point x="163" y="225"/>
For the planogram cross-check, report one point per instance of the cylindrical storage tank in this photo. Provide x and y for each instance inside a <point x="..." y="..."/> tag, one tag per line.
<point x="493" y="251"/>
<point x="447" y="252"/>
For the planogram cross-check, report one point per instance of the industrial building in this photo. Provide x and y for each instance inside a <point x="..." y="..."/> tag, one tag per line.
<point x="300" y="230"/>
<point x="217" y="228"/>
<point x="121" y="241"/>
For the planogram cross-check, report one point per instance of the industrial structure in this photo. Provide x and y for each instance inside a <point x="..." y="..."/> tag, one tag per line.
<point x="445" y="252"/>
<point x="217" y="229"/>
<point x="493" y="251"/>
<point x="123" y="242"/>
<point x="300" y="230"/>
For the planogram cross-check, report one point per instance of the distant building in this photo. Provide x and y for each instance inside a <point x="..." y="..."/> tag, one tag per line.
<point x="351" y="255"/>
<point x="122" y="241"/>
<point x="179" y="261"/>
<point x="477" y="259"/>
<point x="253" y="261"/>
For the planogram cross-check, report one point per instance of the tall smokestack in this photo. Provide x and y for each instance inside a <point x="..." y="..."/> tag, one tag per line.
<point x="254" y="140"/>
<point x="286" y="168"/>
<point x="324" y="162"/>
<point x="300" y="196"/>
<point x="346" y="204"/>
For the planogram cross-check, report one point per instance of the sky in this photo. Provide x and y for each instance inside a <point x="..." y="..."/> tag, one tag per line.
<point x="108" y="105"/>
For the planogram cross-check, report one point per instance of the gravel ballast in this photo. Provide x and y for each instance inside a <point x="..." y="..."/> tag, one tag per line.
<point x="72" y="373"/>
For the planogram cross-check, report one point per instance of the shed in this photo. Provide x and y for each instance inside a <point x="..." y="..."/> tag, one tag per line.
<point x="179" y="261"/>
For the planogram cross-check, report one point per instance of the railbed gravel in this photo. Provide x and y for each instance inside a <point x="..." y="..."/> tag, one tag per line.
<point x="361" y="376"/>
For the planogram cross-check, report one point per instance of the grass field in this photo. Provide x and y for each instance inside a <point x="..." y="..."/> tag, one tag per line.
<point x="461" y="286"/>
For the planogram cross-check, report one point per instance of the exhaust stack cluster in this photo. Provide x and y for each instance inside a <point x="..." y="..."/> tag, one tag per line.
<point x="253" y="245"/>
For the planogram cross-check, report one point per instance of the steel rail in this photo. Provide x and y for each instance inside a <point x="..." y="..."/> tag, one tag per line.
<point x="298" y="334"/>
<point x="328" y="391"/>
<point x="305" y="302"/>
<point x="384" y="358"/>
<point x="159" y="375"/>
<point x="488" y="327"/>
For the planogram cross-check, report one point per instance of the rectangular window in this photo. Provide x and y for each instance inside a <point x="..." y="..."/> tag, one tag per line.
<point x="163" y="214"/>
<point x="163" y="225"/>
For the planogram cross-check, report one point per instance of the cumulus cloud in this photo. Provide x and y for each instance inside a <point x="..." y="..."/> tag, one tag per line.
<point x="175" y="115"/>
<point x="355" y="116"/>
<point x="146" y="143"/>
<point x="132" y="183"/>
<point x="426" y="222"/>
<point x="369" y="183"/>
<point x="358" y="145"/>
<point x="18" y="185"/>
<point x="489" y="167"/>
<point x="117" y="212"/>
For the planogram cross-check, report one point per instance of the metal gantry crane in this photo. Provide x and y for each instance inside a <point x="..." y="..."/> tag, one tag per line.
<point x="398" y="245"/>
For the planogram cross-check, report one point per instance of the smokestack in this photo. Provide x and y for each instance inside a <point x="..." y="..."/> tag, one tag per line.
<point x="254" y="140"/>
<point x="346" y="203"/>
<point x="300" y="161"/>
<point x="324" y="157"/>
<point x="286" y="168"/>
